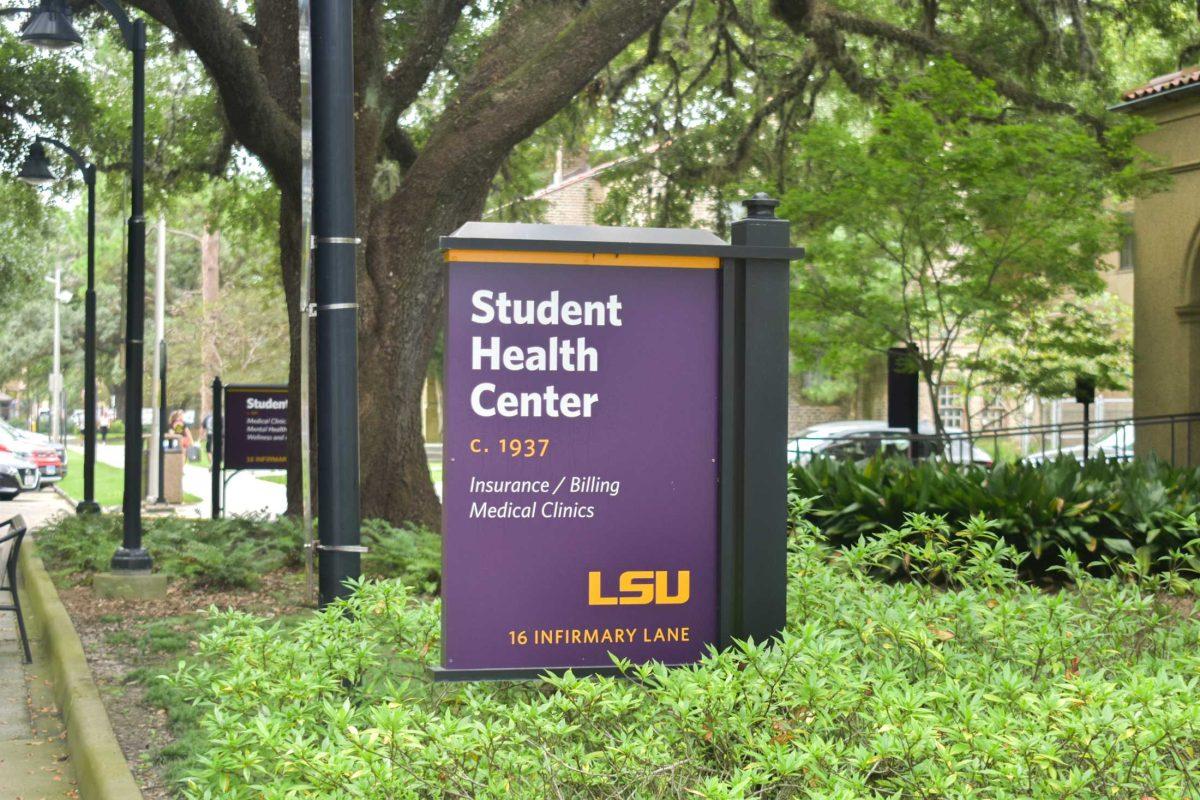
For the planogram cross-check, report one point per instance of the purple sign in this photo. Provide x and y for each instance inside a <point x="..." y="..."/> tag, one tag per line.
<point x="580" y="461"/>
<point x="255" y="427"/>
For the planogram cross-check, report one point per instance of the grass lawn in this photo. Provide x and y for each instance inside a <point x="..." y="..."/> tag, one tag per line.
<point x="110" y="482"/>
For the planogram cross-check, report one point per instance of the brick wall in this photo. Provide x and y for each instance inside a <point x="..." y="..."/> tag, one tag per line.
<point x="574" y="203"/>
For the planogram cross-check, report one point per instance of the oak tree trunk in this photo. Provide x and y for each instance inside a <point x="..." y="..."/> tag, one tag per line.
<point x="290" y="267"/>
<point x="210" y="293"/>
<point x="537" y="57"/>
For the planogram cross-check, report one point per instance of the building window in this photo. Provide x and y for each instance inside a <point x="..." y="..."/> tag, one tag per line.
<point x="950" y="407"/>
<point x="1127" y="243"/>
<point x="1127" y="252"/>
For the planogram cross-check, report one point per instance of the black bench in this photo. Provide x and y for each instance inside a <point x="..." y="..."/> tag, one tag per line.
<point x="8" y="577"/>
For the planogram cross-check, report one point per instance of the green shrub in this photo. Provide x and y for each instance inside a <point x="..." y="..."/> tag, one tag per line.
<point x="876" y="690"/>
<point x="234" y="552"/>
<point x="1095" y="511"/>
<point x="206" y="553"/>
<point x="412" y="554"/>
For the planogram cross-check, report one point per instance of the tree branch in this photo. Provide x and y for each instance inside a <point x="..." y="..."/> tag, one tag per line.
<point x="541" y="55"/>
<point x="427" y="43"/>
<point x="793" y="86"/>
<point x="620" y="83"/>
<point x="400" y="147"/>
<point x="826" y="26"/>
<point x="261" y="124"/>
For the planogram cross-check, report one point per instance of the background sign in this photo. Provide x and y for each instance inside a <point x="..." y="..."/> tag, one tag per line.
<point x="255" y="427"/>
<point x="580" y="477"/>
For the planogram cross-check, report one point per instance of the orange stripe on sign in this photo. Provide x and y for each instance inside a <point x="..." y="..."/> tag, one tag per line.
<point x="582" y="259"/>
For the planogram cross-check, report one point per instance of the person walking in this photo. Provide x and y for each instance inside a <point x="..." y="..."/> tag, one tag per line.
<point x="206" y="426"/>
<point x="105" y="420"/>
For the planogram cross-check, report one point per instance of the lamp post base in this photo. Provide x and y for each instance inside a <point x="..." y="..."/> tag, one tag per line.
<point x="85" y="507"/>
<point x="135" y="560"/>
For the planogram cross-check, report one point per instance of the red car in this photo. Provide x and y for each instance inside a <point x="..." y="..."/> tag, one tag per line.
<point x="43" y="456"/>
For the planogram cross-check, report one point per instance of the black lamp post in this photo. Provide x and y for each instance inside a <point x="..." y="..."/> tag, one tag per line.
<point x="161" y="433"/>
<point x="36" y="171"/>
<point x="337" y="308"/>
<point x="49" y="26"/>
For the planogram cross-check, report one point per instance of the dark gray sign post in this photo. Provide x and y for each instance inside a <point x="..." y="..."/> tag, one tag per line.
<point x="216" y="453"/>
<point x="903" y="392"/>
<point x="1085" y="395"/>
<point x="754" y="367"/>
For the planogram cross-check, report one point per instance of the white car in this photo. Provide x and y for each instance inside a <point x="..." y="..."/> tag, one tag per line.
<point x="39" y="439"/>
<point x="17" y="475"/>
<point x="1117" y="446"/>
<point x="858" y="440"/>
<point x="43" y="455"/>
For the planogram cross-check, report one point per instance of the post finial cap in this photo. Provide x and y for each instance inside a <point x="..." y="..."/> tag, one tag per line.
<point x="761" y="206"/>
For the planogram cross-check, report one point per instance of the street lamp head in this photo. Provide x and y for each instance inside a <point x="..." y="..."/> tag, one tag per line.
<point x="49" y="26"/>
<point x="36" y="169"/>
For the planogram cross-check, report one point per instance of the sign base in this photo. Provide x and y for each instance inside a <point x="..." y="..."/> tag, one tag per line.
<point x="443" y="675"/>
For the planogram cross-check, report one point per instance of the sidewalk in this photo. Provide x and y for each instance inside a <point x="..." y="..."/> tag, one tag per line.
<point x="33" y="753"/>
<point x="245" y="493"/>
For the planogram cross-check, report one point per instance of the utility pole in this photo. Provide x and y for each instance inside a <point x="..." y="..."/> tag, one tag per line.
<point x="56" y="379"/>
<point x="337" y="308"/>
<point x="153" y="484"/>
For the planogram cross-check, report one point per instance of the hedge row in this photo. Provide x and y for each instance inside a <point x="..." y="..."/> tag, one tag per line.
<point x="234" y="552"/>
<point x="1145" y="509"/>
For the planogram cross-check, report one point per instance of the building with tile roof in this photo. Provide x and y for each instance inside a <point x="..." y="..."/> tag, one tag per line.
<point x="1166" y="250"/>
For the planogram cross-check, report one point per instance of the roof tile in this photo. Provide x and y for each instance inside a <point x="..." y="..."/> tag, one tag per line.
<point x="1164" y="83"/>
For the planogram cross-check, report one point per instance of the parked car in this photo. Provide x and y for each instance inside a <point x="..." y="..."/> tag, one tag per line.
<point x="858" y="440"/>
<point x="1117" y="446"/>
<point x="38" y="439"/>
<point x="45" y="457"/>
<point x="17" y="475"/>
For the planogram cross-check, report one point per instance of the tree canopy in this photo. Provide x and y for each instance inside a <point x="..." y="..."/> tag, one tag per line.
<point x="953" y="219"/>
<point x="460" y="105"/>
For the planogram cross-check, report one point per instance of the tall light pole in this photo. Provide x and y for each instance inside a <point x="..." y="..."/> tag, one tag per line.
<point x="56" y="377"/>
<point x="49" y="26"/>
<point x="154" y="489"/>
<point x="37" y="172"/>
<point x="337" y="309"/>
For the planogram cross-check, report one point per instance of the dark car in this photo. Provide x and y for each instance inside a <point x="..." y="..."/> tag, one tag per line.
<point x="17" y="475"/>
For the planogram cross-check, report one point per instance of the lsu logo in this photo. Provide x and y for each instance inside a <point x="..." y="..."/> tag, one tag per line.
<point x="641" y="588"/>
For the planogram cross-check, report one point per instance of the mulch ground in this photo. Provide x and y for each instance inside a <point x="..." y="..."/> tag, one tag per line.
<point x="113" y="633"/>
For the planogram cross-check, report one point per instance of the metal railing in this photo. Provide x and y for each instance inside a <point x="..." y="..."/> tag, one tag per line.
<point x="1174" y="438"/>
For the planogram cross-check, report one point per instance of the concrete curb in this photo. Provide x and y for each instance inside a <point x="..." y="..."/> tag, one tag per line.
<point x="54" y="488"/>
<point x="101" y="771"/>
